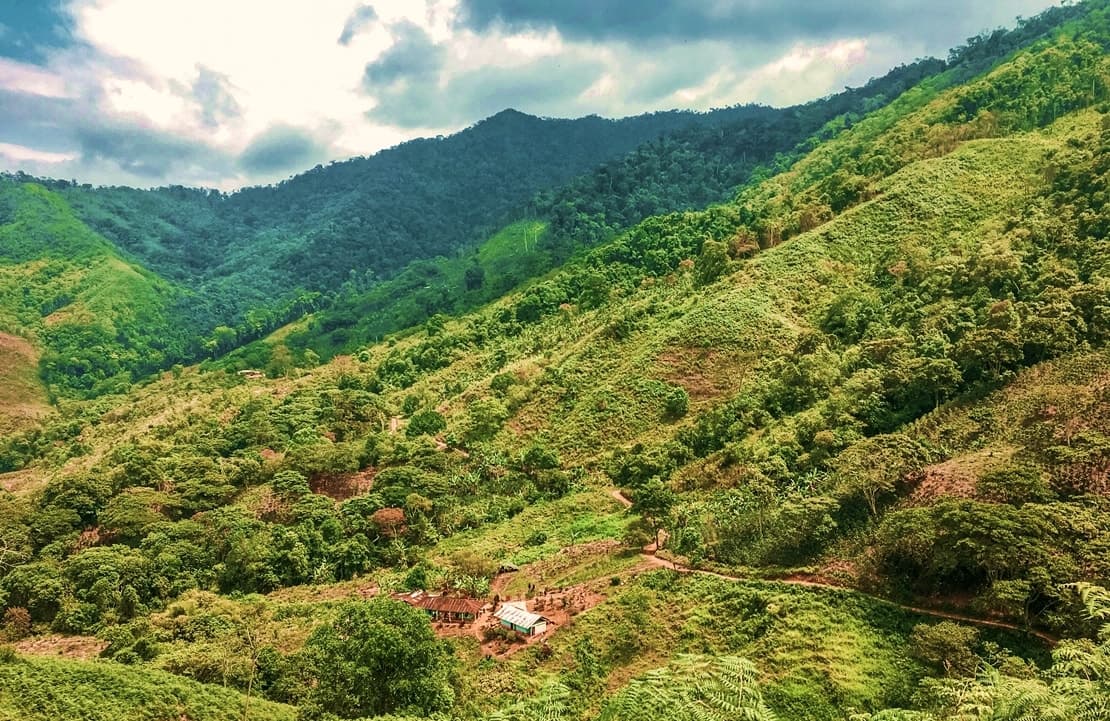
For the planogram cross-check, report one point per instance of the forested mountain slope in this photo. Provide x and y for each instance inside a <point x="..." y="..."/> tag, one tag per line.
<point x="362" y="219"/>
<point x="884" y="368"/>
<point x="246" y="263"/>
<point x="337" y="237"/>
<point x="687" y="169"/>
<point x="96" y="318"/>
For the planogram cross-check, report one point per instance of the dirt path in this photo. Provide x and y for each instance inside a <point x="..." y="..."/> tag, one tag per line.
<point x="934" y="612"/>
<point x="621" y="498"/>
<point x="657" y="562"/>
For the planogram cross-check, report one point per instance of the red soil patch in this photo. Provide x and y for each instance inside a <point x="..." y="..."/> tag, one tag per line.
<point x="75" y="647"/>
<point x="958" y="477"/>
<point x="22" y="398"/>
<point x="342" y="486"/>
<point x="698" y="370"/>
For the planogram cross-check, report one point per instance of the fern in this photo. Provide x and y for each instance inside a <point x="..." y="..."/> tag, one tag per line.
<point x="553" y="703"/>
<point x="693" y="688"/>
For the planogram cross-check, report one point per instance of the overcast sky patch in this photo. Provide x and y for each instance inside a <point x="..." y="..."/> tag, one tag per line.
<point x="233" y="93"/>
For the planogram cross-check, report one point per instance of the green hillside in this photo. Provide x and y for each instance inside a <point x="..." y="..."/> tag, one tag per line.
<point x="22" y="395"/>
<point x="835" y="448"/>
<point x="98" y="320"/>
<point x="54" y="690"/>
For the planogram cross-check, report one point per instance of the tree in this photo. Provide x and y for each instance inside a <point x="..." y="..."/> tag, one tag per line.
<point x="426" y="422"/>
<point x="379" y="657"/>
<point x="712" y="263"/>
<point x="484" y="418"/>
<point x="947" y="646"/>
<point x="128" y="514"/>
<point x="676" y="402"/>
<point x="475" y="276"/>
<point x="653" y="501"/>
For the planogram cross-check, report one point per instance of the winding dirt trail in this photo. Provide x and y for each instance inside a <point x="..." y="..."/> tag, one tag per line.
<point x="621" y="498"/>
<point x="658" y="562"/>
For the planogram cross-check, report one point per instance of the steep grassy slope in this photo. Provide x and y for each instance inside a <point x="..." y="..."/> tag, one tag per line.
<point x="23" y="399"/>
<point x="55" y="690"/>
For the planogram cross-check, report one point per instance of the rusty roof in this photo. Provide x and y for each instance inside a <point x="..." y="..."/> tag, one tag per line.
<point x="440" y="604"/>
<point x="450" y="604"/>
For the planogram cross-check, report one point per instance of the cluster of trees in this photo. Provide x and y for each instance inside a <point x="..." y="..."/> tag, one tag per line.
<point x="812" y="453"/>
<point x="166" y="514"/>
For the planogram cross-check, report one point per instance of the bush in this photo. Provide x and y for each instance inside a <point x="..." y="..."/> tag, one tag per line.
<point x="946" y="646"/>
<point x="426" y="422"/>
<point x="16" y="624"/>
<point x="677" y="402"/>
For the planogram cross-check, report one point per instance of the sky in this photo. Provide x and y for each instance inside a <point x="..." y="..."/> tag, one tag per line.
<point x="227" y="93"/>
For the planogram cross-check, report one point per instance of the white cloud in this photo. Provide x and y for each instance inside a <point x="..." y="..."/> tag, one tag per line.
<point x="219" y="75"/>
<point x="804" y="72"/>
<point x="21" y="154"/>
<point x="31" y="79"/>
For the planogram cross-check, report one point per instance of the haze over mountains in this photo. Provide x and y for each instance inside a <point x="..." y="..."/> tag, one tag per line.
<point x="791" y="413"/>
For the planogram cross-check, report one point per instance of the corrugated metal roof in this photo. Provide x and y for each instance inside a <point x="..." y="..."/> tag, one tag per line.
<point x="518" y="616"/>
<point x="440" y="604"/>
<point x="446" y="604"/>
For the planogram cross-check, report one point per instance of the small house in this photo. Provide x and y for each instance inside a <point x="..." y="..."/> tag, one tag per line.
<point x="451" y="609"/>
<point x="517" y="618"/>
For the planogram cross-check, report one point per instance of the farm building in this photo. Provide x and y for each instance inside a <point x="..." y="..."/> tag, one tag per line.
<point x="519" y="619"/>
<point x="443" y="608"/>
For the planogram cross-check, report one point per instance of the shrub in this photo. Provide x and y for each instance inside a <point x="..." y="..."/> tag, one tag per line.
<point x="946" y="646"/>
<point x="16" y="624"/>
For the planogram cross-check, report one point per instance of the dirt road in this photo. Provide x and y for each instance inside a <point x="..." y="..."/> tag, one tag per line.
<point x="658" y="562"/>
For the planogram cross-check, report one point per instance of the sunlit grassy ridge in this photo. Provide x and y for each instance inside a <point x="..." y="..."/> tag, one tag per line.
<point x="96" y="318"/>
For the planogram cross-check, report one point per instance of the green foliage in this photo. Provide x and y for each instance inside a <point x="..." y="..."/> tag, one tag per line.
<point x="376" y="658"/>
<point x="946" y="646"/>
<point x="101" y="321"/>
<point x="425" y="422"/>
<point x="881" y="363"/>
<point x="694" y="687"/>
<point x="56" y="690"/>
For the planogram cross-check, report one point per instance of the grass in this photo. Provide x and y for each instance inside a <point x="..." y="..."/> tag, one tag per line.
<point x="713" y="340"/>
<point x="512" y="251"/>
<point x="819" y="651"/>
<point x="23" y="400"/>
<point x="34" y="689"/>
<point x="578" y="518"/>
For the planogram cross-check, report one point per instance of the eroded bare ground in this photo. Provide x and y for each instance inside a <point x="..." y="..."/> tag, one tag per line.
<point x="23" y="400"/>
<point x="72" y="647"/>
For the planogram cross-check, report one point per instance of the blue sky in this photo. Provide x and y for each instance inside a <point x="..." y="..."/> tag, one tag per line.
<point x="224" y="93"/>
